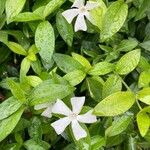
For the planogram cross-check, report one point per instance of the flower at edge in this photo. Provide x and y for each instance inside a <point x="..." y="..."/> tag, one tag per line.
<point x="48" y="111"/>
<point x="81" y="11"/>
<point x="72" y="117"/>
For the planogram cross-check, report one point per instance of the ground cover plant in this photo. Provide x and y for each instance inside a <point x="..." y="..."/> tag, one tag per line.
<point x="74" y="74"/>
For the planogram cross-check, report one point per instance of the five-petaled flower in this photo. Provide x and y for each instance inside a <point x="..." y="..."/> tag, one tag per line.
<point x="81" y="11"/>
<point x="48" y="109"/>
<point x="72" y="117"/>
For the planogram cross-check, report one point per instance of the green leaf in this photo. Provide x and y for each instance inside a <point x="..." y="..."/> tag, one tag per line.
<point x="34" y="80"/>
<point x="26" y="16"/>
<point x="143" y="122"/>
<point x="128" y="62"/>
<point x="113" y="84"/>
<point x="4" y="54"/>
<point x="45" y="41"/>
<point x="16" y="90"/>
<point x="8" y="107"/>
<point x="97" y="14"/>
<point x="82" y="60"/>
<point x="35" y="129"/>
<point x="75" y="77"/>
<point x="2" y="6"/>
<point x="115" y="104"/>
<point x="113" y="19"/>
<point x="25" y="66"/>
<point x="7" y="125"/>
<point x="16" y="48"/>
<point x="101" y="68"/>
<point x="118" y="126"/>
<point x="97" y="142"/>
<point x="47" y="92"/>
<point x="144" y="95"/>
<point x="36" y="145"/>
<point x="66" y="63"/>
<point x="94" y="86"/>
<point x="144" y="79"/>
<point x="127" y="45"/>
<point x="144" y="64"/>
<point x="145" y="45"/>
<point x="13" y="8"/>
<point x="52" y="6"/>
<point x="143" y="8"/>
<point x="64" y="28"/>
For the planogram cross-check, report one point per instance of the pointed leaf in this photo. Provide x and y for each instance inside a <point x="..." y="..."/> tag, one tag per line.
<point x="128" y="62"/>
<point x="8" y="124"/>
<point x="115" y="104"/>
<point x="45" y="41"/>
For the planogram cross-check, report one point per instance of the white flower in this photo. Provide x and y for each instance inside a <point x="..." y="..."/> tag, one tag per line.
<point x="72" y="117"/>
<point x="81" y="11"/>
<point x="48" y="111"/>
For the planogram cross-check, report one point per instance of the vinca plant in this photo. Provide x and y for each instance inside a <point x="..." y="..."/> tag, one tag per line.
<point x="74" y="74"/>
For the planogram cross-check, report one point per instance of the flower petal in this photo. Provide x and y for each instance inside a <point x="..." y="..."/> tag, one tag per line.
<point x="87" y="117"/>
<point x="41" y="106"/>
<point x="61" y="124"/>
<point x="80" y="23"/>
<point x="61" y="108"/>
<point x="70" y="14"/>
<point x="77" y="104"/>
<point x="78" y="3"/>
<point x="91" y="5"/>
<point x="47" y="112"/>
<point x="78" y="131"/>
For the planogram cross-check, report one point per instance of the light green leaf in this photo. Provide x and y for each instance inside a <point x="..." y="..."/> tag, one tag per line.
<point x="144" y="79"/>
<point x="34" y="80"/>
<point x="101" y="68"/>
<point x="66" y="63"/>
<point x="8" y="107"/>
<point x="64" y="28"/>
<point x="113" y="84"/>
<point x="45" y="41"/>
<point x="13" y="8"/>
<point x="97" y="142"/>
<point x="52" y="6"/>
<point x="36" y="145"/>
<point x="97" y="14"/>
<point x="16" y="48"/>
<point x="143" y="122"/>
<point x="115" y="104"/>
<point x="113" y="19"/>
<point x="144" y="95"/>
<point x="82" y="60"/>
<point x="25" y="66"/>
<point x="47" y="92"/>
<point x="118" y="126"/>
<point x="75" y="77"/>
<point x="26" y="16"/>
<point x="16" y="90"/>
<point x="127" y="45"/>
<point x="128" y="62"/>
<point x="8" y="124"/>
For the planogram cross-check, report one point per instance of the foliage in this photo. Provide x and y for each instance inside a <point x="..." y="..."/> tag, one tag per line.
<point x="43" y="59"/>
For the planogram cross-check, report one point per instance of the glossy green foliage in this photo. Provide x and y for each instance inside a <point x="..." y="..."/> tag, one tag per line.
<point x="43" y="58"/>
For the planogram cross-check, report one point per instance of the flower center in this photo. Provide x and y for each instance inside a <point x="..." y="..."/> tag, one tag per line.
<point x="82" y="9"/>
<point x="73" y="116"/>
